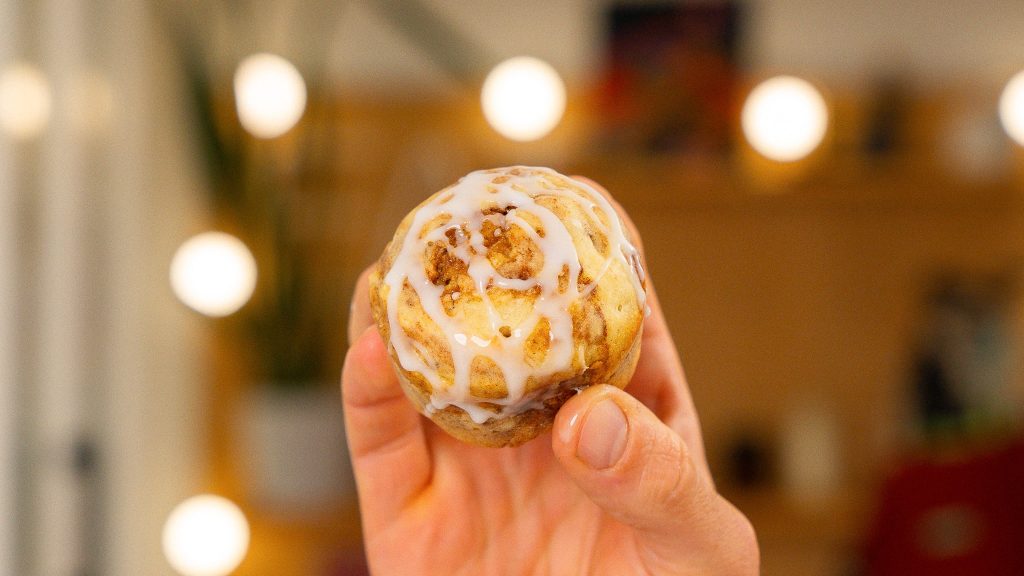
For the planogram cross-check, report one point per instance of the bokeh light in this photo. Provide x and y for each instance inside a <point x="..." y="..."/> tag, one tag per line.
<point x="270" y="95"/>
<point x="213" y="273"/>
<point x="1011" y="108"/>
<point x="25" y="101"/>
<point x="523" y="98"/>
<point x="206" y="535"/>
<point x="785" y="118"/>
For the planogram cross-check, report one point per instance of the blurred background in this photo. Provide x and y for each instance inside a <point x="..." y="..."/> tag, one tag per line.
<point x="831" y="196"/>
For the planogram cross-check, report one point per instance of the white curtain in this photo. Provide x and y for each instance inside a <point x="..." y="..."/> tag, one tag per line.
<point x="99" y="388"/>
<point x="8" y="332"/>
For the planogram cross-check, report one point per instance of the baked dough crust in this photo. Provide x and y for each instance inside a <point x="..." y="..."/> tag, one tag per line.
<point x="607" y="318"/>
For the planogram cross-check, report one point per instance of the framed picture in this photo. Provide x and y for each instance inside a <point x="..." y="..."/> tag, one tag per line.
<point x="670" y="80"/>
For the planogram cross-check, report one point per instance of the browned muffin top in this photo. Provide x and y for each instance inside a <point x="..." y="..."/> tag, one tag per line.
<point x="488" y="293"/>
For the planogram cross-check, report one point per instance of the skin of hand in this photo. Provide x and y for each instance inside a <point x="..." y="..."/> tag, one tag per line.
<point x="620" y="486"/>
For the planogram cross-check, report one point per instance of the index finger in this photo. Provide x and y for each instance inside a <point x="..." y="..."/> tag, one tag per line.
<point x="360" y="317"/>
<point x="386" y="439"/>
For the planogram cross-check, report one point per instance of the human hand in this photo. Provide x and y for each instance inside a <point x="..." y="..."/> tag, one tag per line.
<point x="621" y="486"/>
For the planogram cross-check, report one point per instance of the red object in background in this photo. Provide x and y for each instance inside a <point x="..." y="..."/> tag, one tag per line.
<point x="670" y="77"/>
<point x="955" y="516"/>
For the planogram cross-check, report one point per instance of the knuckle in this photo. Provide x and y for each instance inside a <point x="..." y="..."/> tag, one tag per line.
<point x="742" y="555"/>
<point x="668" y="478"/>
<point x="748" y="550"/>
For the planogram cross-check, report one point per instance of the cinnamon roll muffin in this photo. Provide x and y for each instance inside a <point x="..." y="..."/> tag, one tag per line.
<point x="503" y="295"/>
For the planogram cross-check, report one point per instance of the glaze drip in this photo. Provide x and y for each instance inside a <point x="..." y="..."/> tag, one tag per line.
<point x="459" y="224"/>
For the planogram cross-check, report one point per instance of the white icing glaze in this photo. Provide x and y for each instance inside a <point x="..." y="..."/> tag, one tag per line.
<point x="464" y="205"/>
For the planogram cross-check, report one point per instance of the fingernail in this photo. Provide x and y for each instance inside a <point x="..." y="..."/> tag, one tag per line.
<point x="565" y="433"/>
<point x="603" y="437"/>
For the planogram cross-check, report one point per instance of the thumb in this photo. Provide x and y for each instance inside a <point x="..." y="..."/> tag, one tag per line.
<point x="639" y="471"/>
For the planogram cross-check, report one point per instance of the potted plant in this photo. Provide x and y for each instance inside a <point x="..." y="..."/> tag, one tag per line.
<point x="288" y="432"/>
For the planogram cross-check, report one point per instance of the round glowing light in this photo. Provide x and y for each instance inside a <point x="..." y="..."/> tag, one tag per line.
<point x="25" y="101"/>
<point x="206" y="535"/>
<point x="213" y="273"/>
<point x="785" y="118"/>
<point x="270" y="95"/>
<point x="523" y="98"/>
<point x="1011" y="108"/>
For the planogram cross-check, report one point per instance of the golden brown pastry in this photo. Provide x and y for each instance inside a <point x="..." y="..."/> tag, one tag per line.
<point x="503" y="295"/>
